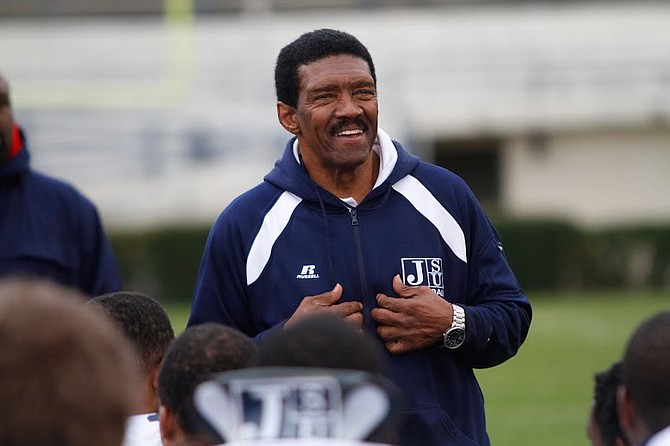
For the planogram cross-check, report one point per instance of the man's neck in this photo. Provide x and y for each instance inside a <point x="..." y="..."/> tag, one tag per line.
<point x="344" y="183"/>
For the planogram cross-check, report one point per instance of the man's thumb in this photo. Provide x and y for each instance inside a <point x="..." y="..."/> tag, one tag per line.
<point x="400" y="288"/>
<point x="332" y="296"/>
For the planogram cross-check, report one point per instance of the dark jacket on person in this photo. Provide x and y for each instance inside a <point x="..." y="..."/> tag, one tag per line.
<point x="288" y="238"/>
<point x="50" y="230"/>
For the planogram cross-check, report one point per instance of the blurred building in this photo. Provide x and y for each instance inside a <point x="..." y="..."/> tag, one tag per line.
<point x="163" y="111"/>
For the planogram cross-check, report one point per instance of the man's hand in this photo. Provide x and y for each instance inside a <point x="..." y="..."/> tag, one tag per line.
<point x="326" y="303"/>
<point x="415" y="319"/>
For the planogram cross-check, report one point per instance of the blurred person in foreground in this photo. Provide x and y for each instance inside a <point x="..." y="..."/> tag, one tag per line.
<point x="66" y="377"/>
<point x="144" y="322"/>
<point x="603" y="423"/>
<point x="643" y="399"/>
<point x="48" y="229"/>
<point x="351" y="224"/>
<point x="323" y="341"/>
<point x="191" y="358"/>
<point x="321" y="381"/>
<point x="330" y="344"/>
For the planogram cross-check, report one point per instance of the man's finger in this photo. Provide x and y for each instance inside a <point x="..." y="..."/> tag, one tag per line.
<point x="390" y="303"/>
<point x="402" y="289"/>
<point x="356" y="319"/>
<point x="329" y="297"/>
<point x="384" y="316"/>
<point x="387" y="333"/>
<point x="396" y="347"/>
<point x="347" y="308"/>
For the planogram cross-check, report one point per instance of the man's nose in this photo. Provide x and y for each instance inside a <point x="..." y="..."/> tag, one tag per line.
<point x="348" y="106"/>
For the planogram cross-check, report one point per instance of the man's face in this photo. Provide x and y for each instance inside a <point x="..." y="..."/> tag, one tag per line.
<point x="336" y="115"/>
<point x="6" y="121"/>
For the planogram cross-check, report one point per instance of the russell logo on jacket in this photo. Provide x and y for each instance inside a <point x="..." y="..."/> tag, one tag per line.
<point x="308" y="272"/>
<point x="418" y="271"/>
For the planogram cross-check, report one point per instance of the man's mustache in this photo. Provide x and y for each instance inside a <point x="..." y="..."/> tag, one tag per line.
<point x="344" y="123"/>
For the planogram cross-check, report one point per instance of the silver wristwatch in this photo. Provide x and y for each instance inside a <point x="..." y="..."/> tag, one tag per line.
<point x="455" y="335"/>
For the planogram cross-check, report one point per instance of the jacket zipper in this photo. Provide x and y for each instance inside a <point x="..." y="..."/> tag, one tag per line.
<point x="367" y="305"/>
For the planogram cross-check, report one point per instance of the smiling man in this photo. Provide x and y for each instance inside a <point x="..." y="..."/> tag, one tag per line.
<point x="349" y="223"/>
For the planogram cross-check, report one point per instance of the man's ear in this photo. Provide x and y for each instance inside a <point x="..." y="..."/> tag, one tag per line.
<point x="151" y="384"/>
<point x="168" y="425"/>
<point x="626" y="412"/>
<point x="153" y="377"/>
<point x="287" y="119"/>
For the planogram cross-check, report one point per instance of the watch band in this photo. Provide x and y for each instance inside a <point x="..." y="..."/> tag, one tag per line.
<point x="459" y="317"/>
<point x="454" y="336"/>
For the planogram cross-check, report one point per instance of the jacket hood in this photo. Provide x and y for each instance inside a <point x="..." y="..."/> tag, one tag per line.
<point x="289" y="175"/>
<point x="20" y="163"/>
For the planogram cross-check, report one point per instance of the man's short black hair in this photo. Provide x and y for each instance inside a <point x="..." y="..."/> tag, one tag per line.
<point x="193" y="356"/>
<point x="646" y="368"/>
<point x="604" y="408"/>
<point x="322" y="341"/>
<point x="310" y="47"/>
<point x="143" y="320"/>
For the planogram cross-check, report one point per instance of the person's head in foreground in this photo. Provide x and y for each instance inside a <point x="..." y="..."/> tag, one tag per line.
<point x="66" y="377"/>
<point x="144" y="322"/>
<point x="322" y="341"/>
<point x="330" y="346"/>
<point x="643" y="399"/>
<point x="193" y="356"/>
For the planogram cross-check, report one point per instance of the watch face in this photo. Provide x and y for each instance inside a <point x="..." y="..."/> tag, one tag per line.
<point x="454" y="338"/>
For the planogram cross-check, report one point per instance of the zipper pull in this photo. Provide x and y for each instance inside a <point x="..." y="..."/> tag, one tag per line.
<point x="354" y="219"/>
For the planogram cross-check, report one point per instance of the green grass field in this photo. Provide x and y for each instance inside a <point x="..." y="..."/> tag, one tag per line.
<point x="542" y="395"/>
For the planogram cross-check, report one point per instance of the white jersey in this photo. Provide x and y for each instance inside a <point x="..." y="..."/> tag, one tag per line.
<point x="661" y="438"/>
<point x="143" y="430"/>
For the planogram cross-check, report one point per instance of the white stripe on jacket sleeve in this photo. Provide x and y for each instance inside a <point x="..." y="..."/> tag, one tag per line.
<point x="424" y="202"/>
<point x="274" y="223"/>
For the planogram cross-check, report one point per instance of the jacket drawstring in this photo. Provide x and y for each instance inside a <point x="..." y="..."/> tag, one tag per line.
<point x="331" y="266"/>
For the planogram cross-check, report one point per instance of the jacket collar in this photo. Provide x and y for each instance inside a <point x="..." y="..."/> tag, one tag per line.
<point x="383" y="146"/>
<point x="289" y="175"/>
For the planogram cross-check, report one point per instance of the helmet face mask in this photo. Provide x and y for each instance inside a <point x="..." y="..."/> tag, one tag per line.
<point x="297" y="402"/>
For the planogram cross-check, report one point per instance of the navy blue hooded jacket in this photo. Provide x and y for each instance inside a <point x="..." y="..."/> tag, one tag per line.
<point x="288" y="238"/>
<point x="49" y="230"/>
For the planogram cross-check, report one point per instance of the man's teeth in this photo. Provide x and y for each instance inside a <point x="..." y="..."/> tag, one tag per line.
<point x="350" y="132"/>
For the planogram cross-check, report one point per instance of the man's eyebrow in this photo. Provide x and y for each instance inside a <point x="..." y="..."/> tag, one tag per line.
<point x="334" y="87"/>
<point x="364" y="83"/>
<point x="323" y="88"/>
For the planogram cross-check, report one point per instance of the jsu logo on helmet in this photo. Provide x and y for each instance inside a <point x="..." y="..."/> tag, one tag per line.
<point x="417" y="271"/>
